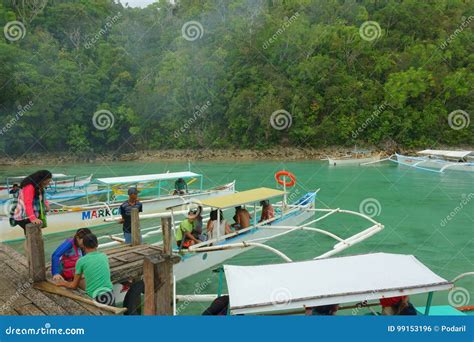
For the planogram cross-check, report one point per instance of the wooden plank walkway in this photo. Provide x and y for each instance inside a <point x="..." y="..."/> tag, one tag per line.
<point x="18" y="297"/>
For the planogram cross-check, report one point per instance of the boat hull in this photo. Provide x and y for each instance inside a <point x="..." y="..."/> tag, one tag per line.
<point x="433" y="164"/>
<point x="352" y="161"/>
<point x="94" y="216"/>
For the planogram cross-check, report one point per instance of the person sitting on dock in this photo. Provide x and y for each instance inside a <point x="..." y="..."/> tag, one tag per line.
<point x="184" y="234"/>
<point x="126" y="212"/>
<point x="242" y="218"/>
<point x="65" y="257"/>
<point x="267" y="211"/>
<point x="94" y="267"/>
<point x="397" y="306"/>
<point x="224" y="227"/>
<point x="180" y="187"/>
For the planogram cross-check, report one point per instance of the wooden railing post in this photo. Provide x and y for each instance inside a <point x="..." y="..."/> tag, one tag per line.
<point x="35" y="252"/>
<point x="136" y="234"/>
<point x="158" y="277"/>
<point x="167" y="239"/>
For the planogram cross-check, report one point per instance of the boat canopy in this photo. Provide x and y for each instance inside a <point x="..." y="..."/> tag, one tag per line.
<point x="293" y="286"/>
<point x="147" y="178"/>
<point x="55" y="175"/>
<point x="240" y="198"/>
<point x="446" y="153"/>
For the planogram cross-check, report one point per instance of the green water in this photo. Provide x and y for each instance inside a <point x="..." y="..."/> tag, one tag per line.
<point x="411" y="204"/>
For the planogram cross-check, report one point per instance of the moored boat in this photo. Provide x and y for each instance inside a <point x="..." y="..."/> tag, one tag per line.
<point x="67" y="218"/>
<point x="438" y="160"/>
<point x="356" y="157"/>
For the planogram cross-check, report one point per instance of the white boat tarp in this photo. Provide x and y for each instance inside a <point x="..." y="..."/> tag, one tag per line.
<point x="446" y="153"/>
<point x="147" y="178"/>
<point x="292" y="286"/>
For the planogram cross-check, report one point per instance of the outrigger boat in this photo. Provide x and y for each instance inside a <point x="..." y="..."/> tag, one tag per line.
<point x="362" y="280"/>
<point x="356" y="157"/>
<point x="435" y="160"/>
<point x="61" y="184"/>
<point x="288" y="218"/>
<point x="157" y="199"/>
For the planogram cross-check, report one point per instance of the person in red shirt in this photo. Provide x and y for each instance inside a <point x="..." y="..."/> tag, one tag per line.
<point x="397" y="306"/>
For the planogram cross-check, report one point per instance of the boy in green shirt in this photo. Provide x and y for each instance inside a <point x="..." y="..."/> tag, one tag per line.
<point x="184" y="234"/>
<point x="94" y="266"/>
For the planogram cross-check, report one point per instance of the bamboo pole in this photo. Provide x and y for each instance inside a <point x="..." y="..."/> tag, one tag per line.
<point x="35" y="252"/>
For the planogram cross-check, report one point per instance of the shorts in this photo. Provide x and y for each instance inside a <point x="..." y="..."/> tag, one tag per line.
<point x="23" y="224"/>
<point x="185" y="244"/>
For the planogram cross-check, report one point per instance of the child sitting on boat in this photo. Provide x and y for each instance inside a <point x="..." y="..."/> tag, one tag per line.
<point x="267" y="211"/>
<point x="224" y="227"/>
<point x="186" y="235"/>
<point x="65" y="257"/>
<point x="94" y="267"/>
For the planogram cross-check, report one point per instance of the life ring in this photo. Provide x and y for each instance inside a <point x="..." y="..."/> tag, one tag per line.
<point x="280" y="174"/>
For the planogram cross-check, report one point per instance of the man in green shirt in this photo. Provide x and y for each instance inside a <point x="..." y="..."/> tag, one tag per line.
<point x="180" y="187"/>
<point x="94" y="266"/>
<point x="184" y="234"/>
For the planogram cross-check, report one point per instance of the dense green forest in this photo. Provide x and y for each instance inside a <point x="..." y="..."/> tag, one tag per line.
<point x="93" y="76"/>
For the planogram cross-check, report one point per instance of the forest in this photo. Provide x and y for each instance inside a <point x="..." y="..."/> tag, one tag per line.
<point x="95" y="76"/>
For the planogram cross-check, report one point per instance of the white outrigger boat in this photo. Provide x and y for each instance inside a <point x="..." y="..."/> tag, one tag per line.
<point x="67" y="218"/>
<point x="356" y="157"/>
<point x="437" y="161"/>
<point x="288" y="218"/>
<point x="61" y="184"/>
<point x="298" y="287"/>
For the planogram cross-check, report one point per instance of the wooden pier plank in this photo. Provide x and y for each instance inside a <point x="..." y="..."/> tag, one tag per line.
<point x="29" y="310"/>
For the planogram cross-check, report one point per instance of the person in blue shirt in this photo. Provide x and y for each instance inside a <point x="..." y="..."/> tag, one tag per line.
<point x="126" y="212"/>
<point x="65" y="257"/>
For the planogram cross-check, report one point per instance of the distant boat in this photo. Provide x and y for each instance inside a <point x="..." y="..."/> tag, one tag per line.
<point x="438" y="160"/>
<point x="356" y="157"/>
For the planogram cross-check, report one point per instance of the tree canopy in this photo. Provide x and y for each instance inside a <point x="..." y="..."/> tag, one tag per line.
<point x="213" y="73"/>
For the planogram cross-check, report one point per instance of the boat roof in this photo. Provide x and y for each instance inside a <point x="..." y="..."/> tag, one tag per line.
<point x="446" y="153"/>
<point x="147" y="178"/>
<point x="241" y="198"/>
<point x="292" y="286"/>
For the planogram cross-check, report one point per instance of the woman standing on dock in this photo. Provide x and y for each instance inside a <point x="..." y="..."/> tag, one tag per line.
<point x="31" y="205"/>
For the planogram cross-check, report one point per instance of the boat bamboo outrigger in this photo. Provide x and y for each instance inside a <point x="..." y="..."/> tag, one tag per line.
<point x="295" y="287"/>
<point x="154" y="196"/>
<point x="437" y="161"/>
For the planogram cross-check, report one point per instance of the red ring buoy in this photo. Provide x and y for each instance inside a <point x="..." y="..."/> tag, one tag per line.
<point x="280" y="174"/>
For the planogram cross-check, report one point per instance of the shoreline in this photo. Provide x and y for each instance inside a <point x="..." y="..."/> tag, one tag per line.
<point x="280" y="153"/>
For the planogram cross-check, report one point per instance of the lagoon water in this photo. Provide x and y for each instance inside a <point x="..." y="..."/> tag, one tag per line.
<point x="426" y="214"/>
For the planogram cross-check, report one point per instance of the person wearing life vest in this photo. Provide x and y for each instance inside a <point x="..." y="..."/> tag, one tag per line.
<point x="65" y="257"/>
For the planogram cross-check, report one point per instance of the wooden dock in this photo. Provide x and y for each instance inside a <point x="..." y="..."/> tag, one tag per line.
<point x="19" y="297"/>
<point x="26" y="290"/>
